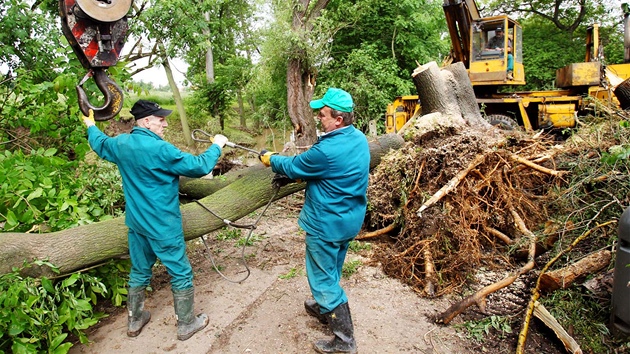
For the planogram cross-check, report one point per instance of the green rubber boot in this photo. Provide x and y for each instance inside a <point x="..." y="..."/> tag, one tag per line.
<point x="187" y="323"/>
<point x="340" y="322"/>
<point x="138" y="317"/>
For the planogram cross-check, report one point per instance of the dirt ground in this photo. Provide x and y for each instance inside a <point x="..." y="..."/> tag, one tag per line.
<point x="265" y="313"/>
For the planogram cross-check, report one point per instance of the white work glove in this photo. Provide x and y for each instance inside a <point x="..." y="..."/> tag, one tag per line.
<point x="220" y="140"/>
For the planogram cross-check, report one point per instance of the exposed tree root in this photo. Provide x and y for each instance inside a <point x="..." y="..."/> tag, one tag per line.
<point x="377" y="233"/>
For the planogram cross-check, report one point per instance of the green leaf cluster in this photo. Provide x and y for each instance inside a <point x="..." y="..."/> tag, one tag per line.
<point x="36" y="315"/>
<point x="478" y="330"/>
<point x="617" y="153"/>
<point x="43" y="192"/>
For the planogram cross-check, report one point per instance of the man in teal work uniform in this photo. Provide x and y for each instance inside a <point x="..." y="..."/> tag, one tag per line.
<point x="150" y="168"/>
<point x="335" y="170"/>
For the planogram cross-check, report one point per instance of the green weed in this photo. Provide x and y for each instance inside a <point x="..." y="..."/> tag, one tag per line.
<point x="244" y="241"/>
<point x="350" y="268"/>
<point x="571" y="307"/>
<point x="294" y="272"/>
<point x="358" y="246"/>
<point x="228" y="234"/>
<point x="479" y="329"/>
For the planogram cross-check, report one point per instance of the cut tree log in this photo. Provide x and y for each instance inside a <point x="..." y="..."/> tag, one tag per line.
<point x="448" y="91"/>
<point x="565" y="277"/>
<point x="83" y="246"/>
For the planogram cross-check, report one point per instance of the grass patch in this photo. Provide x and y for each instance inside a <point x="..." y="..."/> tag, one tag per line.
<point x="350" y="268"/>
<point x="293" y="272"/>
<point x="358" y="246"/>
<point x="588" y="316"/>
<point x="228" y="234"/>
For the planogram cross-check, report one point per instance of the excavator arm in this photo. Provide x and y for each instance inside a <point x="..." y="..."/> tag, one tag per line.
<point x="460" y="14"/>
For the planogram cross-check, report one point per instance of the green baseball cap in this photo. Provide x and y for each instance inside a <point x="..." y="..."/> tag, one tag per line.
<point x="335" y="98"/>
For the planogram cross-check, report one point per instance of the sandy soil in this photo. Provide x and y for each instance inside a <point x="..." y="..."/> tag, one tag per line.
<point x="265" y="313"/>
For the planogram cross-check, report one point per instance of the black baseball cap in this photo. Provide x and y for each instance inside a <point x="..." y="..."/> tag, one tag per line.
<point x="144" y="108"/>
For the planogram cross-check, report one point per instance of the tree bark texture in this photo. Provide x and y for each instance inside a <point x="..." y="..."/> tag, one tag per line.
<point x="448" y="91"/>
<point x="565" y="277"/>
<point x="299" y="94"/>
<point x="83" y="246"/>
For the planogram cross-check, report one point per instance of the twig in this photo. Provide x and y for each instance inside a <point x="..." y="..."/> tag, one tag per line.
<point x="537" y="167"/>
<point x="452" y="184"/>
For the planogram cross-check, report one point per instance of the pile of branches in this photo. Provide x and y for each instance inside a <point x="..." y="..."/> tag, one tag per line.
<point x="453" y="203"/>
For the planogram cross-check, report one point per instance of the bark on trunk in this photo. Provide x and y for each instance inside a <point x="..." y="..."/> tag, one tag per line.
<point x="299" y="94"/>
<point x="450" y="93"/>
<point x="80" y="247"/>
<point x="565" y="277"/>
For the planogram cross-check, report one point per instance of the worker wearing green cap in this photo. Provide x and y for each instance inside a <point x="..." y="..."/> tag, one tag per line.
<point x="335" y="170"/>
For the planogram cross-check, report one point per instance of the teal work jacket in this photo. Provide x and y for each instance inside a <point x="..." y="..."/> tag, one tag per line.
<point x="150" y="168"/>
<point x="336" y="170"/>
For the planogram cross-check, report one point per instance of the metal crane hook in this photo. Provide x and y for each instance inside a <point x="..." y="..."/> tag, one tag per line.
<point x="109" y="88"/>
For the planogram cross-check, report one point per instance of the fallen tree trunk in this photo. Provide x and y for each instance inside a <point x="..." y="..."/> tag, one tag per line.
<point x="80" y="247"/>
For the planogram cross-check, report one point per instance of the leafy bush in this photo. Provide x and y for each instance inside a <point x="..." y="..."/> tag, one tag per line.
<point x="44" y="192"/>
<point x="36" y="315"/>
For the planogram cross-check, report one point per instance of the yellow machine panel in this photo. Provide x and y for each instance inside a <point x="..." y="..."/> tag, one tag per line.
<point x="579" y="74"/>
<point x="399" y="112"/>
<point x="621" y="70"/>
<point x="560" y="115"/>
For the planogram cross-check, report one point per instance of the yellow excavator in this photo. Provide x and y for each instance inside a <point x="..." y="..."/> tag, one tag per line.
<point x="492" y="68"/>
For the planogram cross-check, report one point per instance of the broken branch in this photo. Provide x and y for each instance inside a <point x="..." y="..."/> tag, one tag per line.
<point x="451" y="185"/>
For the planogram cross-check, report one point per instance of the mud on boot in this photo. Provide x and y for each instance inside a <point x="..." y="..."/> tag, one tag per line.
<point x="340" y="322"/>
<point x="187" y="323"/>
<point x="312" y="308"/>
<point x="137" y="316"/>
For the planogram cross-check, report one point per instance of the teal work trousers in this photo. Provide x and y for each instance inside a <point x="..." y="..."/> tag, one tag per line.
<point x="171" y="251"/>
<point x="324" y="261"/>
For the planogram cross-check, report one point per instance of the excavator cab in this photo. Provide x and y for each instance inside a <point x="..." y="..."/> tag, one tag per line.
<point x="496" y="61"/>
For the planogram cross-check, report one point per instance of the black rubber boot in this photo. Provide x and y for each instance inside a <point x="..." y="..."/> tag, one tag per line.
<point x="187" y="323"/>
<point x="340" y="322"/>
<point x="137" y="317"/>
<point x="312" y="308"/>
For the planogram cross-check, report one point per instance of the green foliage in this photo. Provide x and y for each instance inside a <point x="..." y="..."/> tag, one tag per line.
<point x="36" y="315"/>
<point x="44" y="192"/>
<point x="350" y="268"/>
<point x="571" y="307"/>
<point x="293" y="272"/>
<point x="545" y="49"/>
<point x="478" y="330"/>
<point x="358" y="246"/>
<point x="228" y="234"/>
<point x="617" y="152"/>
<point x="249" y="240"/>
<point x="25" y="39"/>
<point x="371" y="81"/>
<point x="114" y="276"/>
<point x="374" y="55"/>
